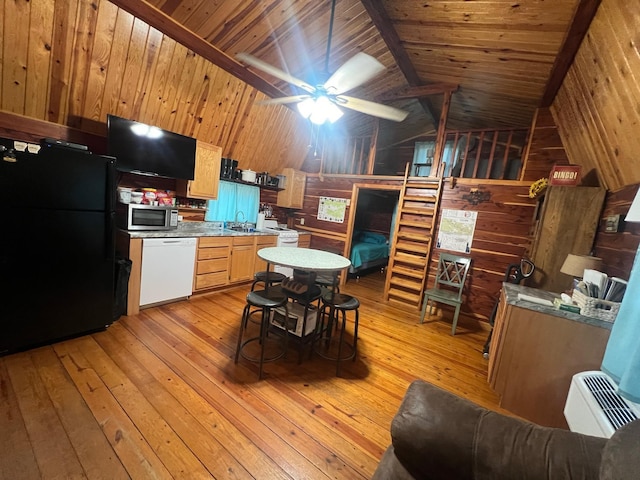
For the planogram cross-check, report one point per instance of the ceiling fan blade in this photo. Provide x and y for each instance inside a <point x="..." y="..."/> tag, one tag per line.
<point x="276" y="72"/>
<point x="353" y="73"/>
<point x="282" y="100"/>
<point x="372" y="108"/>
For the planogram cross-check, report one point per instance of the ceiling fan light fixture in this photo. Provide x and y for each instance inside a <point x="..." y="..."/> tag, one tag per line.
<point x="319" y="110"/>
<point x="306" y="107"/>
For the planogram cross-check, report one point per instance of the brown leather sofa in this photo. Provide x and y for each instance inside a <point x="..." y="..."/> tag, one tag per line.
<point x="439" y="436"/>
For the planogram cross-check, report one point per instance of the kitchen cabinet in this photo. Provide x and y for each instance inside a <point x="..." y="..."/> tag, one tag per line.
<point x="212" y="262"/>
<point x="292" y="196"/>
<point x="535" y="351"/>
<point x="304" y="241"/>
<point x="243" y="254"/>
<point x="567" y="222"/>
<point x="263" y="242"/>
<point x="206" y="174"/>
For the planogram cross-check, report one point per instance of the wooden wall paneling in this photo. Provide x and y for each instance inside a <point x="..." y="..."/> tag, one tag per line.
<point x="147" y="74"/>
<point x="501" y="238"/>
<point x="62" y="47"/>
<point x="98" y="69"/>
<point x="119" y="38"/>
<point x="544" y="148"/>
<point x="592" y="106"/>
<point x="28" y="129"/>
<point x="39" y="57"/>
<point x="192" y="83"/>
<point x="171" y="89"/>
<point x="598" y="106"/>
<point x="80" y="62"/>
<point x="618" y="249"/>
<point x="15" y="55"/>
<point x="133" y="66"/>
<point x="175" y="120"/>
<point x="624" y="89"/>
<point x="208" y="102"/>
<point x="160" y="82"/>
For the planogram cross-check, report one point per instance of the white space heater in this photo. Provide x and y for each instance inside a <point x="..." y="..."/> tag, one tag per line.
<point x="593" y="406"/>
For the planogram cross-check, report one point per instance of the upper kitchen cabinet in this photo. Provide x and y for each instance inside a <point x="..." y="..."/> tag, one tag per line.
<point x="206" y="174"/>
<point x="292" y="196"/>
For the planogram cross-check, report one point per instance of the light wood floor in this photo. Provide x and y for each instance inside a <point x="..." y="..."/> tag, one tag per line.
<point x="157" y="395"/>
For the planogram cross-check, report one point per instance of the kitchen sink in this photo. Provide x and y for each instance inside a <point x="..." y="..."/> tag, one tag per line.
<point x="240" y="227"/>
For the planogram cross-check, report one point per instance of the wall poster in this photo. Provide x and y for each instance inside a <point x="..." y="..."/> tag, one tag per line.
<point x="456" y="230"/>
<point x="332" y="209"/>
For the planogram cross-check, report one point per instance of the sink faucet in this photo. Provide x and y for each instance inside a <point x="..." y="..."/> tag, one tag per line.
<point x="243" y="218"/>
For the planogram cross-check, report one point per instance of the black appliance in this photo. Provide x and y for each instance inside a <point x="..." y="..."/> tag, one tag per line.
<point x="515" y="273"/>
<point x="57" y="245"/>
<point x="228" y="167"/>
<point x="149" y="150"/>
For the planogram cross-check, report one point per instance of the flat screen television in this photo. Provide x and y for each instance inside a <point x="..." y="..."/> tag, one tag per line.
<point x="149" y="150"/>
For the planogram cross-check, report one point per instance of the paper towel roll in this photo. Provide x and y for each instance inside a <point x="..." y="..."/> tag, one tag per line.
<point x="260" y="221"/>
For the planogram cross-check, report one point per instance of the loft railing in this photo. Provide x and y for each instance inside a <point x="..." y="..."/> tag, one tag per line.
<point x="483" y="154"/>
<point x="348" y="156"/>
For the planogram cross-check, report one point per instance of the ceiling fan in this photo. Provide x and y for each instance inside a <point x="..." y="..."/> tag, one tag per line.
<point x="322" y="103"/>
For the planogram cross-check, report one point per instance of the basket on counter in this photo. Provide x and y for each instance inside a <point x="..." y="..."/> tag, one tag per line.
<point x="596" y="307"/>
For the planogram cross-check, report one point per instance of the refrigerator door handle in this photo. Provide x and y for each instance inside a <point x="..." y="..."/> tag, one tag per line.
<point x="110" y="233"/>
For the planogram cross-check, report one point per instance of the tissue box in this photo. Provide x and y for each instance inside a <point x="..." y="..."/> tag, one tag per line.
<point x="596" y="307"/>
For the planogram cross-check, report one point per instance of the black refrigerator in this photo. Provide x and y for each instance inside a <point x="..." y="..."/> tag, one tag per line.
<point x="57" y="245"/>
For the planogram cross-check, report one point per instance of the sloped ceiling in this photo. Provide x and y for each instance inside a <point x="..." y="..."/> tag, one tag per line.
<point x="172" y="63"/>
<point x="502" y="56"/>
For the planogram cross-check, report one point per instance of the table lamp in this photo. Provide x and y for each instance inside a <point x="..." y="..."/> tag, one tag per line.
<point x="575" y="265"/>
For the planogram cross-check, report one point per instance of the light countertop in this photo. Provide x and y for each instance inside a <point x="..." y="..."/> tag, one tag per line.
<point x="512" y="290"/>
<point x="195" y="229"/>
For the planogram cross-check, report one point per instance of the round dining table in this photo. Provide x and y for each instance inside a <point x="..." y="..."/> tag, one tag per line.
<point x="307" y="259"/>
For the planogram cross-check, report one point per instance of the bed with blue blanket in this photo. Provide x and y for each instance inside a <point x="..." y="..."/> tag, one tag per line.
<point x="368" y="250"/>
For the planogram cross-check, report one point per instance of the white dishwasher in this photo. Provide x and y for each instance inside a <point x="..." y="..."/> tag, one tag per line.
<point x="167" y="269"/>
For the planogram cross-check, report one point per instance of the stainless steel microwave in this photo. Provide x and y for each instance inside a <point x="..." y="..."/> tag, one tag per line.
<point x="134" y="216"/>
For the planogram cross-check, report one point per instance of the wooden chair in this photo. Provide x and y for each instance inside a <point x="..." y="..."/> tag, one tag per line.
<point x="450" y="279"/>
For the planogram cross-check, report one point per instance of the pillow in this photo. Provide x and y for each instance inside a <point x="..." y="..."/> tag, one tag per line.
<point x="371" y="237"/>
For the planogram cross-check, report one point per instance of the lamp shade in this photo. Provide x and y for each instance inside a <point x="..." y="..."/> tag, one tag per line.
<point x="575" y="265"/>
<point x="633" y="215"/>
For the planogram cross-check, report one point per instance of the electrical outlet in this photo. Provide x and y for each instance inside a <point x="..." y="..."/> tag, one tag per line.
<point x="302" y="221"/>
<point x="612" y="223"/>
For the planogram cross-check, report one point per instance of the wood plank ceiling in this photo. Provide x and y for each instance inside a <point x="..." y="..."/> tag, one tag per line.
<point x="501" y="53"/>
<point x="172" y="63"/>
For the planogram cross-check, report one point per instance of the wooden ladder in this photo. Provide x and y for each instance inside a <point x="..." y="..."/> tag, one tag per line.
<point x="413" y="235"/>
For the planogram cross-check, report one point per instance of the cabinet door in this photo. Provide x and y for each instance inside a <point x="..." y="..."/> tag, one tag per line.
<point x="242" y="259"/>
<point x="293" y="194"/>
<point x="304" y="241"/>
<point x="207" y="172"/>
<point x="263" y="242"/>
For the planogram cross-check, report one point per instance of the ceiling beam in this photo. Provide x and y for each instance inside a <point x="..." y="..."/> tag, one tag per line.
<point x="167" y="25"/>
<point x="582" y="17"/>
<point x="418" y="92"/>
<point x="382" y="22"/>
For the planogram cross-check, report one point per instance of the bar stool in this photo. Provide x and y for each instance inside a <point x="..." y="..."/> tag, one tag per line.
<point x="327" y="282"/>
<point x="267" y="276"/>
<point x="334" y="305"/>
<point x="262" y="302"/>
